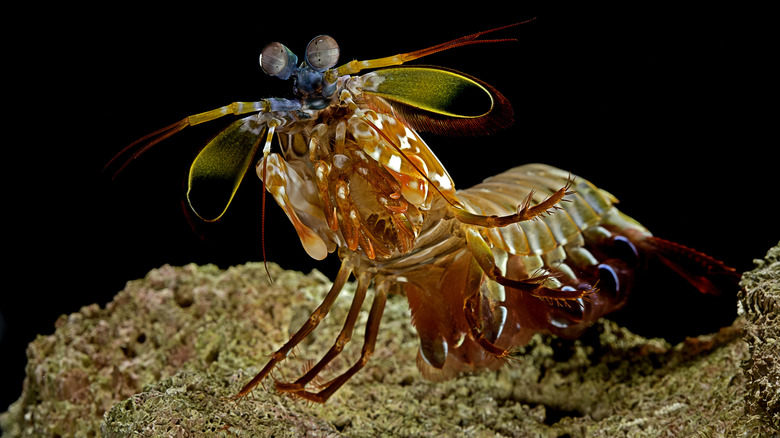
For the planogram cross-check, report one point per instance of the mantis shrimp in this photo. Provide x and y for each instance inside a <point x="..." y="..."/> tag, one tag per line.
<point x="531" y="250"/>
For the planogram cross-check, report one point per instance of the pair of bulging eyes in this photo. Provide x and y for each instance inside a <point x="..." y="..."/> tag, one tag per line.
<point x="277" y="60"/>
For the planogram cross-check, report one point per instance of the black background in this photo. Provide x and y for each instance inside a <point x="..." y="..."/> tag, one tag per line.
<point x="665" y="108"/>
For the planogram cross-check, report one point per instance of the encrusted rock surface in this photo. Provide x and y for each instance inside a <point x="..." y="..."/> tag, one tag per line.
<point x="166" y="356"/>
<point x="760" y="303"/>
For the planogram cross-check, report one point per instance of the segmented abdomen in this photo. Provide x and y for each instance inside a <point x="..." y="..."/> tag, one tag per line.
<point x="587" y="215"/>
<point x="585" y="245"/>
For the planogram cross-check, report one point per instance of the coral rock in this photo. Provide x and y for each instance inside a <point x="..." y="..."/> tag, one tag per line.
<point x="167" y="355"/>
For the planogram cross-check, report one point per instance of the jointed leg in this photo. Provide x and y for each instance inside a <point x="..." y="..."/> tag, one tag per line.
<point x="308" y="327"/>
<point x="475" y="314"/>
<point x="342" y="340"/>
<point x="533" y="285"/>
<point x="372" y="329"/>
<point x="525" y="211"/>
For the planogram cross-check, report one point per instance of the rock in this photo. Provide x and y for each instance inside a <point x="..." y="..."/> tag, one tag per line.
<point x="167" y="355"/>
<point x="760" y="303"/>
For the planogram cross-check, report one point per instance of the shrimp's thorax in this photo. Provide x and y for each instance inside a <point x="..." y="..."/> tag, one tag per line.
<point x="356" y="178"/>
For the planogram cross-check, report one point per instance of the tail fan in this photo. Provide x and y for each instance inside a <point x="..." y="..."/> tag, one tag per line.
<point x="705" y="273"/>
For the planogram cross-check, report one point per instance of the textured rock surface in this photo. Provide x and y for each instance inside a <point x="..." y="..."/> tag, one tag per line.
<point x="165" y="357"/>
<point x="760" y="303"/>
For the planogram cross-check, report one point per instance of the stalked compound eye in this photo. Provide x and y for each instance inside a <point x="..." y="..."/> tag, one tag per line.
<point x="277" y="60"/>
<point x="322" y="53"/>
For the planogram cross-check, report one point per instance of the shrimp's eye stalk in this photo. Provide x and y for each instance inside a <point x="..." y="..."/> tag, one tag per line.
<point x="322" y="53"/>
<point x="277" y="60"/>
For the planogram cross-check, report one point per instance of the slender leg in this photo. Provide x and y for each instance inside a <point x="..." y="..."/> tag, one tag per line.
<point x="308" y="327"/>
<point x="473" y="312"/>
<point x="372" y="329"/>
<point x="342" y="340"/>
<point x="525" y="211"/>
<point x="533" y="285"/>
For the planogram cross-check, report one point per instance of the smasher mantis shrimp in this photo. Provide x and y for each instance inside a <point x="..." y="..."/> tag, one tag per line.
<point x="534" y="249"/>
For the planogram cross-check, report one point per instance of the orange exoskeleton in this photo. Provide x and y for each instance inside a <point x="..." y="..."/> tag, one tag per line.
<point x="531" y="250"/>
